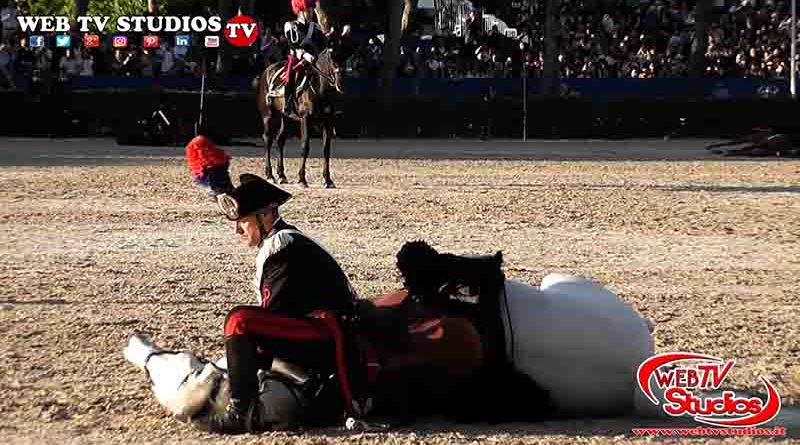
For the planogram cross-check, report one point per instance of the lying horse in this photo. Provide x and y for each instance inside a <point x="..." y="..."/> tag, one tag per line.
<point x="568" y="347"/>
<point x="577" y="340"/>
<point x="764" y="142"/>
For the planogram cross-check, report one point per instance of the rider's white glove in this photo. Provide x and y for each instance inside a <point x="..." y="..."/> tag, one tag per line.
<point x="308" y="57"/>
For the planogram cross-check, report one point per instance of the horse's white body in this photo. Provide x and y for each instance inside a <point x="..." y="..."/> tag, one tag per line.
<point x="581" y="342"/>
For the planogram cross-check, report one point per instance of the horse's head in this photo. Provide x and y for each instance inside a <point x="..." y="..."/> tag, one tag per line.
<point x="432" y="276"/>
<point x="329" y="70"/>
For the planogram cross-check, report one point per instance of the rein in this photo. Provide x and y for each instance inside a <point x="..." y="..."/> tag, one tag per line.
<point x="329" y="79"/>
<point x="325" y="76"/>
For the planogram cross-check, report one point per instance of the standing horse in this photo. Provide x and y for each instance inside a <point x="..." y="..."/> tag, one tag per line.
<point x="317" y="91"/>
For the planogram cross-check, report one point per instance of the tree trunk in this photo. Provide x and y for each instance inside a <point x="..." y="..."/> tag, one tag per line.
<point x="391" y="47"/>
<point x="152" y="6"/>
<point x="551" y="71"/>
<point x="410" y="6"/>
<point x="702" y="18"/>
<point x="81" y="7"/>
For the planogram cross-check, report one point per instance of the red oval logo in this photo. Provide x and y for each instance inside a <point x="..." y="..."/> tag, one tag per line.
<point x="241" y="31"/>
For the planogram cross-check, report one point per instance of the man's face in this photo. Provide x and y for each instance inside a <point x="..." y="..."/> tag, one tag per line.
<point x="247" y="228"/>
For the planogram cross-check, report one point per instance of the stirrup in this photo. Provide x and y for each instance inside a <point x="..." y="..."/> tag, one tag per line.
<point x="353" y="424"/>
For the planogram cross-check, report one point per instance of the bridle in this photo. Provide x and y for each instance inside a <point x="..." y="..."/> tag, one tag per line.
<point x="329" y="79"/>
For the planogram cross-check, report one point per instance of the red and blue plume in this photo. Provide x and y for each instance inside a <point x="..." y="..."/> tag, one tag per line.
<point x="209" y="166"/>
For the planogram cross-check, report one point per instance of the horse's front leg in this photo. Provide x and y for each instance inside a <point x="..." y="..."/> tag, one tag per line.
<point x="281" y="144"/>
<point x="180" y="381"/>
<point x="306" y="147"/>
<point x="326" y="170"/>
<point x="268" y="139"/>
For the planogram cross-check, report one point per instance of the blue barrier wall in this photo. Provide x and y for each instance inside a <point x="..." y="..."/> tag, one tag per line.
<point x="739" y="88"/>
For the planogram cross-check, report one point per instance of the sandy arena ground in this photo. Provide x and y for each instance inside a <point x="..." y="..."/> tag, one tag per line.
<point x="100" y="240"/>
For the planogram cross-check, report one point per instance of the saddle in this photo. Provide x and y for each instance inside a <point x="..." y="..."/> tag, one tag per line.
<point x="277" y="88"/>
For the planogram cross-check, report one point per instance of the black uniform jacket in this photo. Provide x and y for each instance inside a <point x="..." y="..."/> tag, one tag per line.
<point x="296" y="276"/>
<point x="307" y="36"/>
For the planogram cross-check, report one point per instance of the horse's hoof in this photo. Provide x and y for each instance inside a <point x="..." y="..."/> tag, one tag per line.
<point x="303" y="184"/>
<point x="283" y="181"/>
<point x="270" y="178"/>
<point x="330" y="185"/>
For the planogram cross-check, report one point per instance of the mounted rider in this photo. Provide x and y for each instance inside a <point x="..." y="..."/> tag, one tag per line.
<point x="306" y="40"/>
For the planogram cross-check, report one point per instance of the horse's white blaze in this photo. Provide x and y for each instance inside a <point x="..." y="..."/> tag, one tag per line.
<point x="578" y="340"/>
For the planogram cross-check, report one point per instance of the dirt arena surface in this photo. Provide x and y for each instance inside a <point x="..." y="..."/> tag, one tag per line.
<point x="100" y="240"/>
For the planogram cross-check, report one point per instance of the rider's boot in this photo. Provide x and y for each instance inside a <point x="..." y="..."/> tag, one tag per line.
<point x="242" y="374"/>
<point x="289" y="99"/>
<point x="288" y="91"/>
<point x="236" y="419"/>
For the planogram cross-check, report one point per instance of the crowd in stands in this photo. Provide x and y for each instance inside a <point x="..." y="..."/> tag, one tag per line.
<point x="622" y="39"/>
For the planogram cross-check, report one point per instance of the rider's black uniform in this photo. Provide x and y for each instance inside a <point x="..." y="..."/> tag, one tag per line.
<point x="305" y="38"/>
<point x="297" y="276"/>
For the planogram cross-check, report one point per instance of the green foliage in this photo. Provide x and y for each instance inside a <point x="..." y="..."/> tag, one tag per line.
<point x="111" y="8"/>
<point x="189" y="7"/>
<point x="116" y="8"/>
<point x="51" y="7"/>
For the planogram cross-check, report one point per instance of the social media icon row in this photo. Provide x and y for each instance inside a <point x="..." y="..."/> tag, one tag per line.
<point x="118" y="41"/>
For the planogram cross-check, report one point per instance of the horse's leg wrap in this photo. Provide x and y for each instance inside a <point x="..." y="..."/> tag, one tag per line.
<point x="181" y="382"/>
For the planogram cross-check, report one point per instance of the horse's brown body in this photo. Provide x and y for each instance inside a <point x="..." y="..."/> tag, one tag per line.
<point x="314" y="104"/>
<point x="439" y="356"/>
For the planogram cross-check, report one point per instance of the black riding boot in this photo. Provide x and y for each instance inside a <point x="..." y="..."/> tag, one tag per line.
<point x="243" y="377"/>
<point x="288" y="97"/>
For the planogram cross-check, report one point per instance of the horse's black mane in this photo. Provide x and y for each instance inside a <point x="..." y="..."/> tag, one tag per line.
<point x="433" y="278"/>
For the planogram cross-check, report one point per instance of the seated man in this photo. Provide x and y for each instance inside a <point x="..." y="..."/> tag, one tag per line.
<point x="306" y="41"/>
<point x="294" y="277"/>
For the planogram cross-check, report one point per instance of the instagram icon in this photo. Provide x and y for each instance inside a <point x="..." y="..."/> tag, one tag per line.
<point x="120" y="41"/>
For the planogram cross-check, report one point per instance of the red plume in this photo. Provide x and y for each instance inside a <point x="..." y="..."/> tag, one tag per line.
<point x="208" y="165"/>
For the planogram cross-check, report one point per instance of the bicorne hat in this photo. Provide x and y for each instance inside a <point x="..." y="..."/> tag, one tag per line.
<point x="253" y="195"/>
<point x="209" y="165"/>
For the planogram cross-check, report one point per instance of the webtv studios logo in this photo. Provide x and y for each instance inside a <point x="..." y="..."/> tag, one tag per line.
<point x="681" y="383"/>
<point x="240" y="30"/>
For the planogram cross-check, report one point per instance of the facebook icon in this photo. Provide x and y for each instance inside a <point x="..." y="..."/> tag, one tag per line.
<point x="36" y="41"/>
<point x="182" y="40"/>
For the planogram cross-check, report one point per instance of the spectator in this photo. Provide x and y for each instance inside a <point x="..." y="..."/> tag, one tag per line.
<point x="86" y="62"/>
<point x="167" y="59"/>
<point x="7" y="66"/>
<point x="69" y="66"/>
<point x="8" y="19"/>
